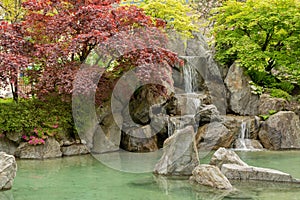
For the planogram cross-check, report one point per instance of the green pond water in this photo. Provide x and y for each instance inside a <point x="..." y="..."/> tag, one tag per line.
<point x="84" y="178"/>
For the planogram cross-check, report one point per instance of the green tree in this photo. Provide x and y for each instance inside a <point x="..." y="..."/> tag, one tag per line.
<point x="178" y="15"/>
<point x="263" y="36"/>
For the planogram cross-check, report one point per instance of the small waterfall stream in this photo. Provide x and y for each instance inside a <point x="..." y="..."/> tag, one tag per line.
<point x="243" y="136"/>
<point x="191" y="101"/>
<point x="190" y="75"/>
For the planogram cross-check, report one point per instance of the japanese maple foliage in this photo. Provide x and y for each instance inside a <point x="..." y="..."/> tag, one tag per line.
<point x="55" y="38"/>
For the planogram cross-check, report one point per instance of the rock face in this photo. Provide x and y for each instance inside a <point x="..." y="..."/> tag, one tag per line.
<point x="210" y="175"/>
<point x="212" y="136"/>
<point x="249" y="143"/>
<point x="238" y="172"/>
<point x="241" y="100"/>
<point x="207" y="114"/>
<point x="7" y="146"/>
<point x="179" y="157"/>
<point x="281" y="131"/>
<point x="268" y="103"/>
<point x="51" y="149"/>
<point x="141" y="139"/>
<point x="8" y="170"/>
<point x="224" y="156"/>
<point x="75" y="149"/>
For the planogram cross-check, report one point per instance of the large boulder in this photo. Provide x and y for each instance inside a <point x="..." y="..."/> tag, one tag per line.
<point x="241" y="100"/>
<point x="179" y="157"/>
<point x="268" y="103"/>
<point x="238" y="172"/>
<point x="141" y="139"/>
<point x="210" y="175"/>
<point x="212" y="136"/>
<point x="8" y="170"/>
<point x="281" y="131"/>
<point x="51" y="149"/>
<point x="225" y="156"/>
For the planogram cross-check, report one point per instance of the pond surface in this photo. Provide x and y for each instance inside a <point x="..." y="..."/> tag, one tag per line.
<point x="85" y="178"/>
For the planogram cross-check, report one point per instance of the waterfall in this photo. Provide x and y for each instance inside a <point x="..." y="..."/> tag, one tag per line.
<point x="190" y="75"/>
<point x="243" y="136"/>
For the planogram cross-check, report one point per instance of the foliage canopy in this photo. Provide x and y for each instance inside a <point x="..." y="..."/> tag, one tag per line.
<point x="263" y="36"/>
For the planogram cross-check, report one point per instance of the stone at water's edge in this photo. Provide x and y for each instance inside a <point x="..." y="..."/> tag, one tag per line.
<point x="75" y="149"/>
<point x="238" y="172"/>
<point x="51" y="149"/>
<point x="241" y="100"/>
<point x="8" y="170"/>
<point x="249" y="143"/>
<point x="281" y="131"/>
<point x="224" y="156"/>
<point x="179" y="157"/>
<point x="210" y="175"/>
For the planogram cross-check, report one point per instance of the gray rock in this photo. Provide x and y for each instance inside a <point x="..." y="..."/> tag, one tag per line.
<point x="267" y="103"/>
<point x="179" y="122"/>
<point x="281" y="131"/>
<point x="141" y="139"/>
<point x="249" y="143"/>
<point x="179" y="157"/>
<point x="107" y="136"/>
<point x="210" y="175"/>
<point x="141" y="102"/>
<point x="7" y="146"/>
<point x="8" y="170"/>
<point x="238" y="172"/>
<point x="207" y="114"/>
<point x="234" y="125"/>
<point x="241" y="100"/>
<point x="15" y="137"/>
<point x="212" y="136"/>
<point x="75" y="149"/>
<point x="225" y="156"/>
<point x="185" y="104"/>
<point x="51" y="149"/>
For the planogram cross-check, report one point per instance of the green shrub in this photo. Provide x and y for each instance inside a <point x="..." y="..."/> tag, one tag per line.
<point x="274" y="92"/>
<point x="37" y="118"/>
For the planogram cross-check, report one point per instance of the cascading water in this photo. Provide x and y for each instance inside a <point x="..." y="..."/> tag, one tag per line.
<point x="243" y="136"/>
<point x="190" y="75"/>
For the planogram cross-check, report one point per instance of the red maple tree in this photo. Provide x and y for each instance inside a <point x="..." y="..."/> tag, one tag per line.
<point x="56" y="37"/>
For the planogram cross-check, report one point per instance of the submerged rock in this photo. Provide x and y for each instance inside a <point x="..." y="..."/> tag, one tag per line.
<point x="179" y="157"/>
<point x="210" y="175"/>
<point x="281" y="131"/>
<point x="8" y="170"/>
